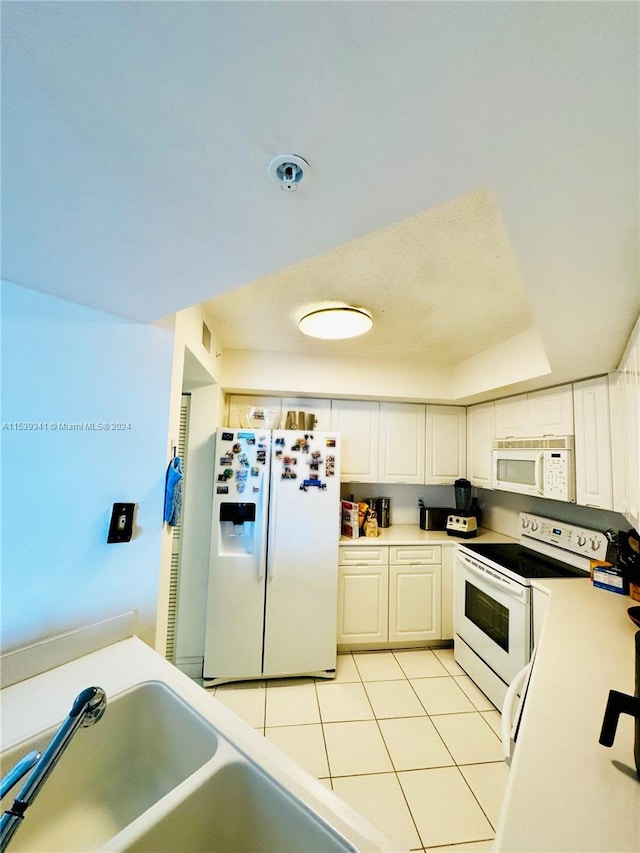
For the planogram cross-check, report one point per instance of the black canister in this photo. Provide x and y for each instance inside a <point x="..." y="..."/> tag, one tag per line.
<point x="383" y="511"/>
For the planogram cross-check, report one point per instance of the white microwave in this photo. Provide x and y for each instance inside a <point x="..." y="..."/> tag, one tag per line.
<point x="542" y="467"/>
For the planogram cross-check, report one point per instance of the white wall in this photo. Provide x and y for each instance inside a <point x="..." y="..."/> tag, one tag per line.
<point x="195" y="369"/>
<point x="485" y="375"/>
<point x="404" y="498"/>
<point x="500" y="511"/>
<point x="64" y="363"/>
<point x="196" y="533"/>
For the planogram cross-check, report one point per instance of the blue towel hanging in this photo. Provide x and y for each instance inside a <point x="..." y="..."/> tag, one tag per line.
<point x="173" y="492"/>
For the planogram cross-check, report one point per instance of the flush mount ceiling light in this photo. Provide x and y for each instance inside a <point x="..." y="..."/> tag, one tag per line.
<point x="336" y="323"/>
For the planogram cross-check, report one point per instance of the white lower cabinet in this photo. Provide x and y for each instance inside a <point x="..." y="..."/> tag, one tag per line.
<point x="363" y="594"/>
<point x="389" y="595"/>
<point x="363" y="604"/>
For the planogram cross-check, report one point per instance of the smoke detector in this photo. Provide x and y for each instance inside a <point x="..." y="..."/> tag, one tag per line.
<point x="288" y="171"/>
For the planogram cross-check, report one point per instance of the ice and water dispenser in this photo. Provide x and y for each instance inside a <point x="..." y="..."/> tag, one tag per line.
<point x="237" y="528"/>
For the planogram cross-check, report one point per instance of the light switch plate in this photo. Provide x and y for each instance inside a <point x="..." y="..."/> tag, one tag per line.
<point x="121" y="526"/>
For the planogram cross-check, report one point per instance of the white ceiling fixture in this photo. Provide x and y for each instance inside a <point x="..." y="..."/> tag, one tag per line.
<point x="288" y="171"/>
<point x="336" y="323"/>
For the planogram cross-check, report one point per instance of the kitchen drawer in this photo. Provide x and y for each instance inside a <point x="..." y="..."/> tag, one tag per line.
<point x="404" y="555"/>
<point x="354" y="555"/>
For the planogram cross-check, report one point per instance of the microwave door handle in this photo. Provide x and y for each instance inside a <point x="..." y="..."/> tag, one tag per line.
<point x="539" y="473"/>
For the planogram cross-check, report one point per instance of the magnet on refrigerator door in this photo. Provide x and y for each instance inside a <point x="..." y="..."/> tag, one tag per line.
<point x="312" y="481"/>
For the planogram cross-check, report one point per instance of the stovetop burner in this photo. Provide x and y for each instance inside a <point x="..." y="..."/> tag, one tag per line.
<point x="522" y="561"/>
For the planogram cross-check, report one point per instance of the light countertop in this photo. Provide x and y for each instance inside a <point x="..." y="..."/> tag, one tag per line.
<point x="43" y="701"/>
<point x="412" y="534"/>
<point x="565" y="791"/>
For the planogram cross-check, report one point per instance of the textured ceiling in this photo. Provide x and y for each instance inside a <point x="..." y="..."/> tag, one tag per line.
<point x="441" y="286"/>
<point x="136" y="138"/>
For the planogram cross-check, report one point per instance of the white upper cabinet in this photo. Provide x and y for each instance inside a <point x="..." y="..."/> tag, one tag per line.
<point x="548" y="412"/>
<point x="618" y="473"/>
<point x="401" y="443"/>
<point x="480" y="434"/>
<point x="357" y="421"/>
<point x="446" y="444"/>
<point x="594" y="484"/>
<point x="551" y="411"/>
<point x="626" y="427"/>
<point x="512" y="417"/>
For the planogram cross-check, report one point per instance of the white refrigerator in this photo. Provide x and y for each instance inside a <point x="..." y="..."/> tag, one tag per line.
<point x="273" y="571"/>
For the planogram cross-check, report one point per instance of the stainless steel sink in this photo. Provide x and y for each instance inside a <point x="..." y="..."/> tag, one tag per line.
<point x="239" y="809"/>
<point x="148" y="742"/>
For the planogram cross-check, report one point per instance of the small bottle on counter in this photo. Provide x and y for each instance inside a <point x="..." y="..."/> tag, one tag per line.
<point x="371" y="525"/>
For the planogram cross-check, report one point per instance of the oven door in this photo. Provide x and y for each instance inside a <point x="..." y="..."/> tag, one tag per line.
<point x="493" y="618"/>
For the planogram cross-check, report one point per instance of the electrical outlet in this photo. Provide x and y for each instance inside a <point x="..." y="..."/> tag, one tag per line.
<point x="121" y="526"/>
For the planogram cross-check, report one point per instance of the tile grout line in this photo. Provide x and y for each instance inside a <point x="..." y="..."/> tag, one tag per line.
<point x="377" y="719"/>
<point x="455" y="763"/>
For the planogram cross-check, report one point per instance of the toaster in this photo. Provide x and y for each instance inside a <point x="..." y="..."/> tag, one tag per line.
<point x="434" y="518"/>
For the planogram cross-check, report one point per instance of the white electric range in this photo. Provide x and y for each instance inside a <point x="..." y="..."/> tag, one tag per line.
<point x="492" y="595"/>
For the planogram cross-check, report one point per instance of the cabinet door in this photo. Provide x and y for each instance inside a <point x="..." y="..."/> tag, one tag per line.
<point x="446" y="584"/>
<point x="446" y="444"/>
<point x="363" y="603"/>
<point x="539" y="607"/>
<point x="616" y="424"/>
<point x="594" y="486"/>
<point x="401" y="443"/>
<point x="480" y="434"/>
<point x="631" y="424"/>
<point x="414" y="602"/>
<point x="357" y="422"/>
<point x="551" y="411"/>
<point x="512" y="417"/>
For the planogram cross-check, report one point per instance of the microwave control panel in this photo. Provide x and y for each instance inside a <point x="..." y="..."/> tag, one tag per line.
<point x="556" y="477"/>
<point x="579" y="540"/>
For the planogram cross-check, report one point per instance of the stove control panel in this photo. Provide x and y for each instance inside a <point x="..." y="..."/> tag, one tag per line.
<point x="578" y="540"/>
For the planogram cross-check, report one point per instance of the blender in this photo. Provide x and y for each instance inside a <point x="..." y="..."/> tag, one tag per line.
<point x="463" y="522"/>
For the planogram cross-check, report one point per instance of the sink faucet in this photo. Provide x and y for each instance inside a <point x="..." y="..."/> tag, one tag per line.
<point x="87" y="709"/>
<point x="20" y="769"/>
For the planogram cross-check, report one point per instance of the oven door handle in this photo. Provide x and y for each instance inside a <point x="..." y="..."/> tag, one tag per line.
<point x="506" y="588"/>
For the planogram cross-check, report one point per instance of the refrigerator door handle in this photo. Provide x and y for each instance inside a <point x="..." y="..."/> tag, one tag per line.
<point x="273" y="514"/>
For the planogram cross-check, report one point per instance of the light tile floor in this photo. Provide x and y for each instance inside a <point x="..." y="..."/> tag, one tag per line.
<point x="405" y="737"/>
